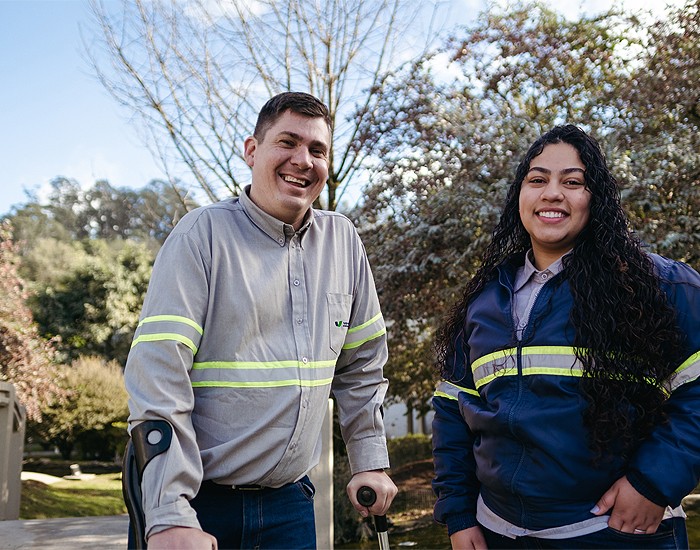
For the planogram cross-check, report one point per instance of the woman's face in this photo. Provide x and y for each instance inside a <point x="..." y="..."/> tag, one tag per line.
<point x="554" y="202"/>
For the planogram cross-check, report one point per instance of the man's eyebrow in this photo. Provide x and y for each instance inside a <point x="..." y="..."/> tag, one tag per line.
<point x="548" y="171"/>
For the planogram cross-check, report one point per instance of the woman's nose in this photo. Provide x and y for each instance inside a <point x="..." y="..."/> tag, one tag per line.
<point x="552" y="191"/>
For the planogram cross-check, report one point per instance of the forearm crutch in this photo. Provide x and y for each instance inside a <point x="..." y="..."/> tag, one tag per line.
<point x="148" y="440"/>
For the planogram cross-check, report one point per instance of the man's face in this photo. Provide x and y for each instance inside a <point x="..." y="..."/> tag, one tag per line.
<point x="290" y="166"/>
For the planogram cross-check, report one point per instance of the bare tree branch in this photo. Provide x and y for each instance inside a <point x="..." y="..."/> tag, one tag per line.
<point x="195" y="73"/>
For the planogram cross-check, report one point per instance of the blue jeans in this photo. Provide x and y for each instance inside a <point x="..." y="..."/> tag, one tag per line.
<point x="258" y="518"/>
<point x="671" y="534"/>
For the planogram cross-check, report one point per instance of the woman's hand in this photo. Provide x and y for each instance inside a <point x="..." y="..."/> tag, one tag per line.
<point x="631" y="512"/>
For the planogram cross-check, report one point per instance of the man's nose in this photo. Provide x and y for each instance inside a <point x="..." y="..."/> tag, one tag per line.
<point x="302" y="158"/>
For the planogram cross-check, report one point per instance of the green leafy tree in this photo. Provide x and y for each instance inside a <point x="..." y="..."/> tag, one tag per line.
<point x="93" y="307"/>
<point x="659" y="141"/>
<point x="101" y="212"/>
<point x="25" y="357"/>
<point x="94" y="400"/>
<point x="159" y="206"/>
<point x="196" y="73"/>
<point x="446" y="149"/>
<point x="86" y="256"/>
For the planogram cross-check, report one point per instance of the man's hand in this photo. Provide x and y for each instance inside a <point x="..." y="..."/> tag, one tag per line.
<point x="468" y="539"/>
<point x="631" y="512"/>
<point x="382" y="485"/>
<point x="182" y="538"/>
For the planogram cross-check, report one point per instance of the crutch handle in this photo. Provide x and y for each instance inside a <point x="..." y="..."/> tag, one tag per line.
<point x="367" y="496"/>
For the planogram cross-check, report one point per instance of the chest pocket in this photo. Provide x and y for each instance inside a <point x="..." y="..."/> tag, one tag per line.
<point x="339" y="308"/>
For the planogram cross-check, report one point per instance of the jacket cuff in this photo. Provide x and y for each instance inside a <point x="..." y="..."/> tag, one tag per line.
<point x="460" y="522"/>
<point x="644" y="488"/>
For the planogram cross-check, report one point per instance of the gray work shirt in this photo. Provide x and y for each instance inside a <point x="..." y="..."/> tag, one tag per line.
<point x="247" y="327"/>
<point x="528" y="283"/>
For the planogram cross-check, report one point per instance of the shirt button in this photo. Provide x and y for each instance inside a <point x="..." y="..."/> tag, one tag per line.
<point x="304" y="360"/>
<point x="280" y="240"/>
<point x="296" y="282"/>
<point x="300" y="321"/>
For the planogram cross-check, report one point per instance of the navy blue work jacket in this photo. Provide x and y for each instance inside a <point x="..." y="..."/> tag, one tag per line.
<point x="509" y="423"/>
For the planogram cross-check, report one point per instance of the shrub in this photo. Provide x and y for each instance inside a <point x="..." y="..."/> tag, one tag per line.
<point x="409" y="448"/>
<point x="89" y="415"/>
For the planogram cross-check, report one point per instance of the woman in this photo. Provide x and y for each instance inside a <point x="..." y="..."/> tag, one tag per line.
<point x="569" y="411"/>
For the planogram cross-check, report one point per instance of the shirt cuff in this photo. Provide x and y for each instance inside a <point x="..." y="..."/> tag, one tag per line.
<point x="177" y="514"/>
<point x="368" y="454"/>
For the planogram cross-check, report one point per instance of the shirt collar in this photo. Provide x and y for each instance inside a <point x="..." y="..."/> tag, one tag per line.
<point x="528" y="270"/>
<point x="277" y="230"/>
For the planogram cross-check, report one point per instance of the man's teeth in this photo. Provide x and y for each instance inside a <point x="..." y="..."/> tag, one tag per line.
<point x="551" y="214"/>
<point x="291" y="179"/>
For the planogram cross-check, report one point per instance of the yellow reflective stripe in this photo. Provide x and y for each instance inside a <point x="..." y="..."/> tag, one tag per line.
<point x="363" y="325"/>
<point x="441" y="394"/>
<point x="451" y="391"/>
<point x="533" y="350"/>
<point x="261" y="365"/>
<point x="502" y="354"/>
<point x="173" y="318"/>
<point x="549" y="350"/>
<point x="548" y="355"/>
<point x="357" y="344"/>
<point x="695" y="358"/>
<point x="553" y="371"/>
<point x="687" y="372"/>
<point x="163" y="336"/>
<point x="270" y="384"/>
<point x="546" y="360"/>
<point x="486" y="379"/>
<point x="257" y="374"/>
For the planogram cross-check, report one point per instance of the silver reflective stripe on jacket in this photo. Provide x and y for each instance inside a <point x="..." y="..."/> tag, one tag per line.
<point x="687" y="372"/>
<point x="552" y="360"/>
<point x="451" y="391"/>
<point x="558" y="361"/>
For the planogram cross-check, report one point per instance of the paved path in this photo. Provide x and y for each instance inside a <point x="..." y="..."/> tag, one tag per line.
<point x="96" y="533"/>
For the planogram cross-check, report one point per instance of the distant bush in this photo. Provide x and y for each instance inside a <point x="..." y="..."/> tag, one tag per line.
<point x="409" y="448"/>
<point x="91" y="417"/>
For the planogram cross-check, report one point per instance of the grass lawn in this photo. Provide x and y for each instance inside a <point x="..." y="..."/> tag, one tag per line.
<point x="100" y="496"/>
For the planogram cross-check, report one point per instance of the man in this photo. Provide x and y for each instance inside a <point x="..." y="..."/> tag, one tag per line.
<point x="259" y="307"/>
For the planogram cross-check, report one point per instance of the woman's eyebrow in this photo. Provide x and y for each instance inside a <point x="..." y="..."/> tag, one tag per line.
<point x="564" y="171"/>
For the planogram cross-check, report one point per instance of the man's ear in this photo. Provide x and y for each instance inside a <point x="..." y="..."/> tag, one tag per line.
<point x="249" y="147"/>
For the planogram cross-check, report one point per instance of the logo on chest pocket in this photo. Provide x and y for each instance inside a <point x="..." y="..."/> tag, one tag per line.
<point x="339" y="307"/>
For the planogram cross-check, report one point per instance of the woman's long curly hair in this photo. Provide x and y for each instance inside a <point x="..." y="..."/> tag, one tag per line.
<point x="626" y="335"/>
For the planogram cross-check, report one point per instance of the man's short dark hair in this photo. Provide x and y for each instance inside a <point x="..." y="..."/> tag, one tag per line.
<point x="298" y="102"/>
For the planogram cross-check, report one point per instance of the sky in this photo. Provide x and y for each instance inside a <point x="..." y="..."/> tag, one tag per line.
<point x="57" y="120"/>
